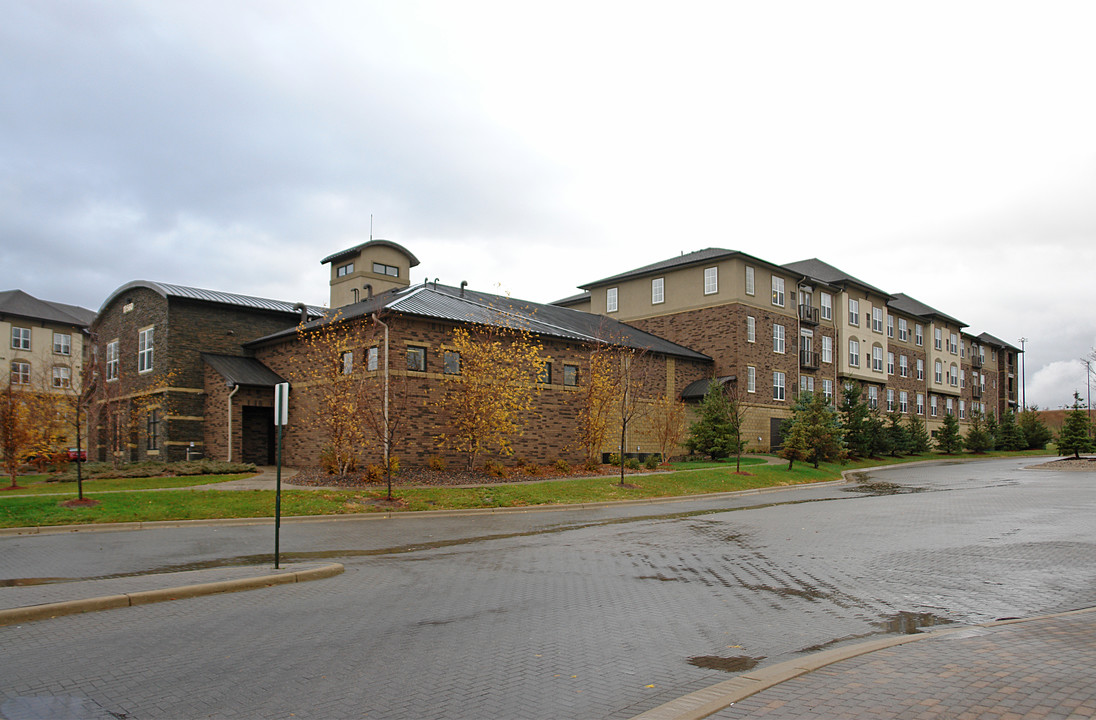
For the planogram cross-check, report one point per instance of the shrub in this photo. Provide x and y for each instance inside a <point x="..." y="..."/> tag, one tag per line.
<point x="632" y="463"/>
<point x="614" y="460"/>
<point x="436" y="462"/>
<point x="591" y="466"/>
<point x="519" y="461"/>
<point x="532" y="469"/>
<point x="562" y="465"/>
<point x="651" y="462"/>
<point x="394" y="464"/>
<point x="494" y="468"/>
<point x="374" y="473"/>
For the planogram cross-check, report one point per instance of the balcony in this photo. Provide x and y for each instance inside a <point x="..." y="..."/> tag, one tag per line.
<point x="809" y="360"/>
<point x="808" y="314"/>
<point x="976" y="392"/>
<point x="976" y="361"/>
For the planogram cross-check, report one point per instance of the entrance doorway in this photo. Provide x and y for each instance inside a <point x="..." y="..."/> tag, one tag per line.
<point x="258" y="436"/>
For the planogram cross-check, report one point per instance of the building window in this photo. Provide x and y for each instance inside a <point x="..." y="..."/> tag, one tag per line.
<point x="451" y="362"/>
<point x="778" y="291"/>
<point x="962" y="379"/>
<point x="656" y="291"/>
<point x="903" y="366"/>
<point x="545" y="375"/>
<point x="827" y="306"/>
<point x="570" y="375"/>
<point x="962" y="410"/>
<point x="903" y="329"/>
<point x="827" y="349"/>
<point x="62" y="377"/>
<point x="890" y="326"/>
<point x="890" y="363"/>
<point x="20" y="372"/>
<point x="873" y="397"/>
<point x="827" y="390"/>
<point x="749" y="280"/>
<point x="890" y="400"/>
<point x="806" y="383"/>
<point x="20" y="338"/>
<point x="920" y="403"/>
<point x="778" y="385"/>
<point x="144" y="350"/>
<point x="854" y="353"/>
<point x="949" y="406"/>
<point x="347" y="269"/>
<point x="611" y="300"/>
<point x="953" y="345"/>
<point x="751" y="379"/>
<point x="903" y="402"/>
<point x="963" y="348"/>
<point x="416" y="359"/>
<point x="877" y="319"/>
<point x="347" y="362"/>
<point x="112" y="360"/>
<point x="751" y="328"/>
<point x="919" y="334"/>
<point x="939" y="375"/>
<point x="877" y="358"/>
<point x="854" y="312"/>
<point x="371" y="359"/>
<point x="62" y="344"/>
<point x="778" y="338"/>
<point x="920" y="369"/>
<point x="152" y="430"/>
<point x="711" y="280"/>
<point x="382" y="269"/>
<point x="953" y="376"/>
<point x="938" y="339"/>
<point x="933" y="411"/>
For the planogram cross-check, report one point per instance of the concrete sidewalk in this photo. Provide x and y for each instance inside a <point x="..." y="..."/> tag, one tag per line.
<point x="1033" y="668"/>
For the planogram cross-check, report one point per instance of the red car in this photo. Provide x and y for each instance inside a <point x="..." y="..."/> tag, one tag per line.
<point x="72" y="454"/>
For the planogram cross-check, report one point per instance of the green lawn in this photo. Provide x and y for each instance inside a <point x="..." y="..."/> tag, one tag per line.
<point x="42" y="509"/>
<point x="37" y="485"/>
<point x="696" y="465"/>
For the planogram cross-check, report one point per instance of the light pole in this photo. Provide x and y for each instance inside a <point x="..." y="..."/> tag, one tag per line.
<point x="1088" y="383"/>
<point x="1023" y="376"/>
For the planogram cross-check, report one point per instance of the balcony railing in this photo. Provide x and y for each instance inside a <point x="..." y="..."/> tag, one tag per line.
<point x="809" y="360"/>
<point x="976" y="361"/>
<point x="976" y="392"/>
<point x="808" y="314"/>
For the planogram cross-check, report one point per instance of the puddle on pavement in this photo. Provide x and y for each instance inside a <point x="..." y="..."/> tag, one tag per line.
<point x="879" y="487"/>
<point x="737" y="663"/>
<point x="908" y="623"/>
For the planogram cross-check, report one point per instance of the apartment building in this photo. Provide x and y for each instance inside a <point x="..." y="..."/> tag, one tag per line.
<point x="807" y="326"/>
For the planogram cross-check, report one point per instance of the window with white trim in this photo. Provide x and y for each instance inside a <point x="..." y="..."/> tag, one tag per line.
<point x="751" y="328"/>
<point x="890" y="363"/>
<point x="962" y="410"/>
<point x="962" y="378"/>
<point x="806" y="383"/>
<point x="920" y="369"/>
<point x="20" y="372"/>
<point x="144" y="349"/>
<point x="890" y="326"/>
<point x="877" y="319"/>
<point x="903" y="366"/>
<point x="778" y="385"/>
<point x="933" y="411"/>
<point x="920" y="403"/>
<point x="20" y="338"/>
<point x="657" y="286"/>
<point x="854" y="312"/>
<point x="711" y="280"/>
<point x="873" y="397"/>
<point x="919" y="334"/>
<point x="62" y="344"/>
<point x="827" y="349"/>
<point x="751" y="379"/>
<point x="371" y="359"/>
<point x="953" y="344"/>
<point x="949" y="405"/>
<point x="877" y="358"/>
<point x="416" y="359"/>
<point x="827" y="389"/>
<point x="890" y="400"/>
<point x="62" y="376"/>
<point x="778" y="338"/>
<point x="348" y="362"/>
<point x="778" y="291"/>
<point x="938" y="339"/>
<point x="611" y="300"/>
<point x="854" y="353"/>
<point x="827" y="306"/>
<point x="903" y="401"/>
<point x="903" y="329"/>
<point x="749" y="280"/>
<point x="953" y="375"/>
<point x="938" y="376"/>
<point x="112" y="360"/>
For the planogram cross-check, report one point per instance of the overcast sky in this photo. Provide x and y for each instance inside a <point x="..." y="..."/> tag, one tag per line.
<point x="942" y="149"/>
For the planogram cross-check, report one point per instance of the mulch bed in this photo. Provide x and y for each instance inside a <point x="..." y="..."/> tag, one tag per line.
<point x="424" y="477"/>
<point x="1084" y="463"/>
<point x="86" y="502"/>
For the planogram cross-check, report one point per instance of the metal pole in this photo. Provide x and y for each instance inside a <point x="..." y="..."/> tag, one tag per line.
<point x="278" y="502"/>
<point x="1023" y="375"/>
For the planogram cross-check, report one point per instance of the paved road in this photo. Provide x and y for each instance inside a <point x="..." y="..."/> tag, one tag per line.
<point x="594" y="614"/>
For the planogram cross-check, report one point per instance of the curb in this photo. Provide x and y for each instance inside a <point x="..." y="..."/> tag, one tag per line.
<point x="30" y="613"/>
<point x="703" y="703"/>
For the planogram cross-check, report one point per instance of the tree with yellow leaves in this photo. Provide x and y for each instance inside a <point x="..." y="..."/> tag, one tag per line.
<point x="487" y="401"/>
<point x="668" y="424"/>
<point x="597" y="400"/>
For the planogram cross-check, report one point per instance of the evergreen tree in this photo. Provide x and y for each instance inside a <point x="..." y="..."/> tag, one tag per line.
<point x="920" y="442"/>
<point x="815" y="418"/>
<point x="795" y="441"/>
<point x="1009" y="434"/>
<point x="1076" y="435"/>
<point x="898" y="435"/>
<point x="861" y="433"/>
<point x="715" y="433"/>
<point x="1036" y="432"/>
<point x="993" y="430"/>
<point x="948" y="439"/>
<point x="978" y="439"/>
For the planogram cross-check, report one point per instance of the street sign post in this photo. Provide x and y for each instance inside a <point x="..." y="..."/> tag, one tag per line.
<point x="281" y="417"/>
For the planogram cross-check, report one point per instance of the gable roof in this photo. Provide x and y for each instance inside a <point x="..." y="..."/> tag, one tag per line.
<point x="988" y="339"/>
<point x="167" y="290"/>
<point x="904" y="303"/>
<point x="242" y="370"/>
<point x="818" y="270"/>
<point x="443" y="302"/>
<point x="697" y="257"/>
<point x="371" y="243"/>
<point x="17" y="302"/>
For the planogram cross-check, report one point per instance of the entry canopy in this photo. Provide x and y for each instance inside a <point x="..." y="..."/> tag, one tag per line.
<point x="698" y="389"/>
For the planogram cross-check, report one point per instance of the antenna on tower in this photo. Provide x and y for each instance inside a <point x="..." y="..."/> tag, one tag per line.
<point x="370" y="227"/>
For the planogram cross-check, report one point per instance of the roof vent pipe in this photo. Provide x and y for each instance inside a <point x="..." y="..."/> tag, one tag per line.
<point x="368" y="291"/>
<point x="462" y="284"/>
<point x="303" y="310"/>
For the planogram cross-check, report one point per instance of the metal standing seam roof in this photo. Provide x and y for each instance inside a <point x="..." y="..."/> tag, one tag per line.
<point x="371" y="243"/>
<point x="443" y="302"/>
<point x="242" y="370"/>
<point x="167" y="290"/>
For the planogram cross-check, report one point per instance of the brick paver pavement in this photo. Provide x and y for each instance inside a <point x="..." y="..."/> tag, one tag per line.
<point x="1042" y="668"/>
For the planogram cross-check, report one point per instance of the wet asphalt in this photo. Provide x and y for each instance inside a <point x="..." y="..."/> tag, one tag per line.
<point x="604" y="612"/>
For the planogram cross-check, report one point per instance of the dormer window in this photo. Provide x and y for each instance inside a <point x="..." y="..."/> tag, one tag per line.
<point x="382" y="269"/>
